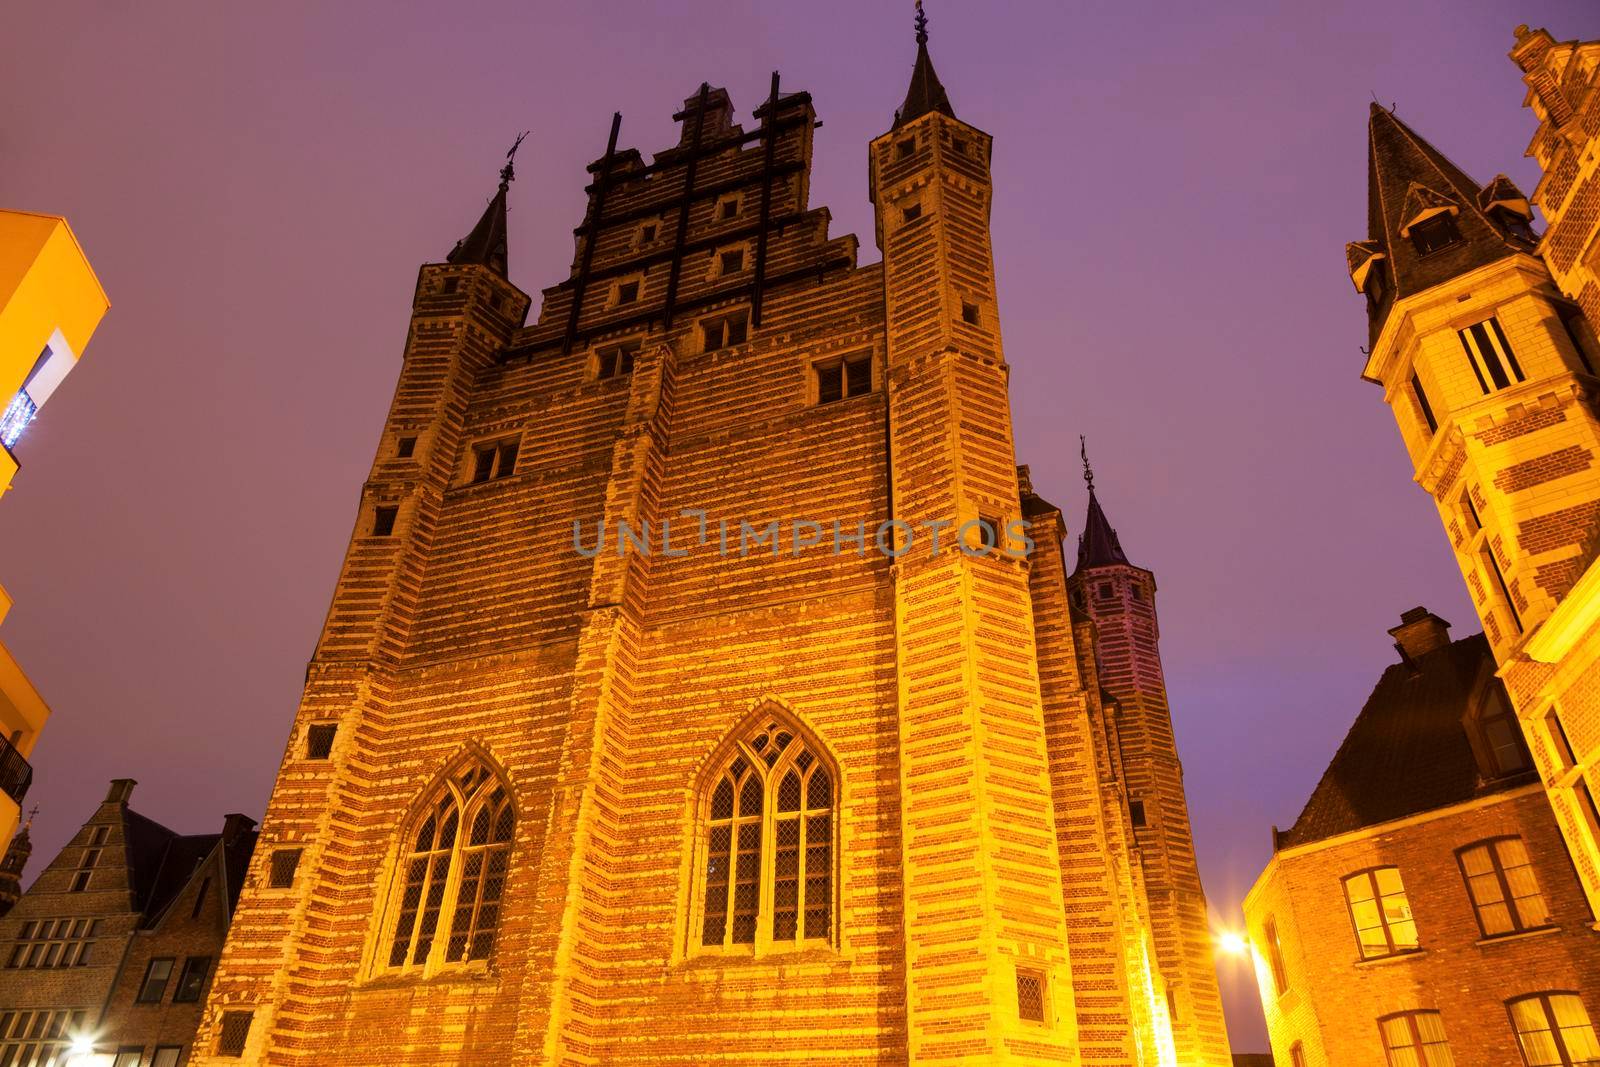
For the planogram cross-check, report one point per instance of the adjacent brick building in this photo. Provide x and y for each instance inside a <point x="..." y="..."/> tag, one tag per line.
<point x="1422" y="909"/>
<point x="778" y="788"/>
<point x="112" y="947"/>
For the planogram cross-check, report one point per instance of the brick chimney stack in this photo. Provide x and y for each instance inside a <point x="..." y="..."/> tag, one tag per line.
<point x="121" y="789"/>
<point x="1420" y="632"/>
<point x="234" y="824"/>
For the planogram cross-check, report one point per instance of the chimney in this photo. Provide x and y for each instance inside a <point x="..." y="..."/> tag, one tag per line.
<point x="233" y="825"/>
<point x="121" y="789"/>
<point x="1420" y="632"/>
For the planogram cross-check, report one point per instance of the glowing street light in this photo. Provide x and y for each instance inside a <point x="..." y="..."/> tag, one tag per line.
<point x="1233" y="943"/>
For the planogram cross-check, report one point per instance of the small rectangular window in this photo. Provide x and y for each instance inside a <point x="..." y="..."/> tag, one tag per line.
<point x="1492" y="565"/>
<point x="732" y="262"/>
<point x="200" y="898"/>
<point x="647" y="233"/>
<point x="1030" y="996"/>
<point x="1579" y="334"/>
<point x="235" y="1031"/>
<point x="1422" y="402"/>
<point x="988" y="532"/>
<point x="80" y="882"/>
<point x="319" y="739"/>
<point x="627" y="292"/>
<point x="911" y="213"/>
<point x="383" y="517"/>
<point x="616" y="361"/>
<point x="1560" y="747"/>
<point x="283" y="863"/>
<point x="729" y="208"/>
<point x="1103" y="591"/>
<point x="725" y="330"/>
<point x="1493" y="363"/>
<point x="960" y="146"/>
<point x="404" y="447"/>
<point x="904" y="149"/>
<point x="156" y="975"/>
<point x="969" y="313"/>
<point x="127" y="1056"/>
<point x="497" y="459"/>
<point x="167" y="1056"/>
<point x="1280" y="975"/>
<point x="449" y="285"/>
<point x="1136" y="812"/>
<point x="1469" y="512"/>
<point x="846" y="378"/>
<point x="191" y="980"/>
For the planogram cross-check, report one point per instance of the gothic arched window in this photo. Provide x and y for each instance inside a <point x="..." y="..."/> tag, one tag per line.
<point x="768" y="835"/>
<point x="452" y="872"/>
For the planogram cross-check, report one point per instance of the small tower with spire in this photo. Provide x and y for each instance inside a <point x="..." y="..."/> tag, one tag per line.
<point x="1120" y="598"/>
<point x="12" y="864"/>
<point x="1489" y="371"/>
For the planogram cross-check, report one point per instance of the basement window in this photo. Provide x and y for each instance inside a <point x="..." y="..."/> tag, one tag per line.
<point x="844" y="378"/>
<point x="383" y="520"/>
<point x="725" y="330"/>
<point x="498" y="459"/>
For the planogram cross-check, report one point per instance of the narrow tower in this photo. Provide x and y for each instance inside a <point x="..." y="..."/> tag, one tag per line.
<point x="12" y="864"/>
<point x="1121" y="600"/>
<point x="985" y="923"/>
<point x="1490" y="372"/>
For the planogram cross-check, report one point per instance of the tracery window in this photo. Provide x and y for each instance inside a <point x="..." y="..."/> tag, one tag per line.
<point x="768" y="860"/>
<point x="452" y="873"/>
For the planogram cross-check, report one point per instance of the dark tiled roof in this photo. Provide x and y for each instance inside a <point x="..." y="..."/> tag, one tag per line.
<point x="161" y="863"/>
<point x="925" y="94"/>
<point x="1403" y="169"/>
<point x="1407" y="751"/>
<point x="1098" y="545"/>
<point x="486" y="244"/>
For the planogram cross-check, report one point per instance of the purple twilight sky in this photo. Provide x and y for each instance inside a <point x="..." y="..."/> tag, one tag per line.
<point x="1173" y="189"/>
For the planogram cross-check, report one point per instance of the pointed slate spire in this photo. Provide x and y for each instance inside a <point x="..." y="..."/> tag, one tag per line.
<point x="1097" y="545"/>
<point x="926" y="93"/>
<point x="486" y="244"/>
<point x="1425" y="217"/>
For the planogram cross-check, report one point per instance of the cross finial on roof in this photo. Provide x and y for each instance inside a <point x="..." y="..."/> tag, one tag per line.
<point x="922" y="25"/>
<point x="508" y="173"/>
<point x="1088" y="471"/>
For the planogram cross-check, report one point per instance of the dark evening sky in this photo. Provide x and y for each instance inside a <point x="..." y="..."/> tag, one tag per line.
<point x="1174" y="187"/>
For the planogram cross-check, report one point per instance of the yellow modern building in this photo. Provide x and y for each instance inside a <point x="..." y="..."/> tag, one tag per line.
<point x="50" y="304"/>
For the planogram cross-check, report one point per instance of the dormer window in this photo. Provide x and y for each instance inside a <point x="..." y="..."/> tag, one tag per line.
<point x="1435" y="233"/>
<point x="1499" y="736"/>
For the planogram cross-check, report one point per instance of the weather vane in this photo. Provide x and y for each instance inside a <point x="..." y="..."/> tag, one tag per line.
<point x="508" y="172"/>
<point x="922" y="25"/>
<point x="1088" y="471"/>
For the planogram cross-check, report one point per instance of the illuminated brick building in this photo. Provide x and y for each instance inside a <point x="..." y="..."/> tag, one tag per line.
<point x="1481" y="343"/>
<point x="744" y="796"/>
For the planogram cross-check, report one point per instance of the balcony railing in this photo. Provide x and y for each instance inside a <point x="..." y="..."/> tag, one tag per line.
<point x="16" y="774"/>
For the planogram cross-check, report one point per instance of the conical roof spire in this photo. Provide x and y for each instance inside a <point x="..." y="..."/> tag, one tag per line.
<point x="1097" y="545"/>
<point x="1426" y="216"/>
<point x="926" y="93"/>
<point x="486" y="244"/>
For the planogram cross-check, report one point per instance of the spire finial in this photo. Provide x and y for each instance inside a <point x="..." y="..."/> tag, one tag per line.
<point x="1088" y="471"/>
<point x="508" y="173"/>
<point x="922" y="25"/>
<point x="31" y="813"/>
